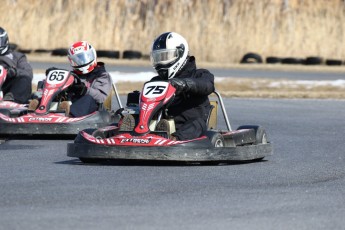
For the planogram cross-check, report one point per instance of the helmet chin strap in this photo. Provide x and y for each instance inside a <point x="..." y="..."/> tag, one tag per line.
<point x="163" y="73"/>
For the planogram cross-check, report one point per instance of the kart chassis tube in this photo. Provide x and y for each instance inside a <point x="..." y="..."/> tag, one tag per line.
<point x="225" y="115"/>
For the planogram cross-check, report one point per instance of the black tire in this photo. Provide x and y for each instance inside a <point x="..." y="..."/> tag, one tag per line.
<point x="273" y="60"/>
<point x="131" y="54"/>
<point x="13" y="46"/>
<point x="60" y="52"/>
<point x="24" y="51"/>
<point x="251" y="58"/>
<point x="42" y="51"/>
<point x="260" y="136"/>
<point x="313" y="61"/>
<point x="333" y="62"/>
<point x="108" y="54"/>
<point x="260" y="133"/>
<point x="217" y="140"/>
<point x="293" y="61"/>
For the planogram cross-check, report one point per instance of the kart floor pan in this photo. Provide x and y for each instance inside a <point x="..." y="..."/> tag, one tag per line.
<point x="174" y="153"/>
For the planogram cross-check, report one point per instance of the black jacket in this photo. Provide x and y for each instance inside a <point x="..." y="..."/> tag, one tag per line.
<point x="19" y="61"/>
<point x="194" y="103"/>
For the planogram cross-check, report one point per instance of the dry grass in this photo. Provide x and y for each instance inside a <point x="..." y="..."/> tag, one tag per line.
<point x="267" y="88"/>
<point x="217" y="30"/>
<point x="258" y="88"/>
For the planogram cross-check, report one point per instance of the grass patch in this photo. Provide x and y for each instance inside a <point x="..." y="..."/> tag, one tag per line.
<point x="263" y="88"/>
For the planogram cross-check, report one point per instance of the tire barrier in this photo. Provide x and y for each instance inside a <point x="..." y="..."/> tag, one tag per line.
<point x="251" y="58"/>
<point x="273" y="60"/>
<point x="293" y="61"/>
<point x="131" y="54"/>
<point x="108" y="54"/>
<point x="59" y="52"/>
<point x="13" y="46"/>
<point x="333" y="62"/>
<point x="42" y="51"/>
<point x="25" y="51"/>
<point x="313" y="61"/>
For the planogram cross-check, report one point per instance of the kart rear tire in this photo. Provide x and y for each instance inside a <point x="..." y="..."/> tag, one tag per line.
<point x="217" y="140"/>
<point x="260" y="136"/>
<point x="260" y="133"/>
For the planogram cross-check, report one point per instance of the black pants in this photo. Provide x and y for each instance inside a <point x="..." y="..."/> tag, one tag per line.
<point x="190" y="129"/>
<point x="83" y="106"/>
<point x="20" y="87"/>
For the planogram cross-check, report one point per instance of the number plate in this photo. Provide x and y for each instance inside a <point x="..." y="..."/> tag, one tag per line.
<point x="57" y="76"/>
<point x="155" y="89"/>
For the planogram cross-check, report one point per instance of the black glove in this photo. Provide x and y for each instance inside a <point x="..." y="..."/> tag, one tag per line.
<point x="79" y="89"/>
<point x="11" y="72"/>
<point x="50" y="69"/>
<point x="184" y="85"/>
<point x="179" y="84"/>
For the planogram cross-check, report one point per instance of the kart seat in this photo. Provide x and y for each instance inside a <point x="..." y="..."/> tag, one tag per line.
<point x="212" y="115"/>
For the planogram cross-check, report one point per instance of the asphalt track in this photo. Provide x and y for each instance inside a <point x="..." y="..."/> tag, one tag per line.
<point x="301" y="186"/>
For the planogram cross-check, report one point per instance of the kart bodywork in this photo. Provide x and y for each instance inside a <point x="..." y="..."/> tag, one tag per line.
<point x="144" y="142"/>
<point x="47" y="119"/>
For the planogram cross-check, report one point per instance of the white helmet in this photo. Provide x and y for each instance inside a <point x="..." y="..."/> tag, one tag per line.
<point x="83" y="57"/>
<point x="169" y="54"/>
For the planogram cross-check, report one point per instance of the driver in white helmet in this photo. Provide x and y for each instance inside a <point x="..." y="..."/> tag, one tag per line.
<point x="190" y="107"/>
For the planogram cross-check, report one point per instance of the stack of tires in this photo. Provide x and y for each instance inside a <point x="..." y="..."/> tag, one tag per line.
<point x="255" y="58"/>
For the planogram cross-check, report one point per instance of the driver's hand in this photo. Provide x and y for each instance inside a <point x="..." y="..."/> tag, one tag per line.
<point x="79" y="89"/>
<point x="179" y="84"/>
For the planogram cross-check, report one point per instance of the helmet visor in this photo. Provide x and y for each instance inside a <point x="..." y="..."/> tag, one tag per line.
<point x="163" y="57"/>
<point x="82" y="59"/>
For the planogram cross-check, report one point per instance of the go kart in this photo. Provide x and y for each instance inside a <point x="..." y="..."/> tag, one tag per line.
<point x="144" y="142"/>
<point x="48" y="119"/>
<point x="7" y="104"/>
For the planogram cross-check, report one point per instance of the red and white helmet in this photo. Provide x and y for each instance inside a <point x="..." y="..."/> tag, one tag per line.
<point x="83" y="57"/>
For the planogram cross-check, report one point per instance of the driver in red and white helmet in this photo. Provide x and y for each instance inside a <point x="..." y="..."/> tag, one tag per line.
<point x="95" y="84"/>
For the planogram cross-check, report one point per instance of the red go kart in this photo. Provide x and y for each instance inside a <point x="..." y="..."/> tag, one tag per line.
<point x="144" y="142"/>
<point x="47" y="119"/>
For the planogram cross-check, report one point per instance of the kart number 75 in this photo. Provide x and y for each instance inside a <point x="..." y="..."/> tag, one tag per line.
<point x="155" y="89"/>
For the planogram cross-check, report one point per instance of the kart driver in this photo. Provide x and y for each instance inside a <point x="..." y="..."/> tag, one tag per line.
<point x="94" y="85"/>
<point x="17" y="86"/>
<point x="191" y="106"/>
